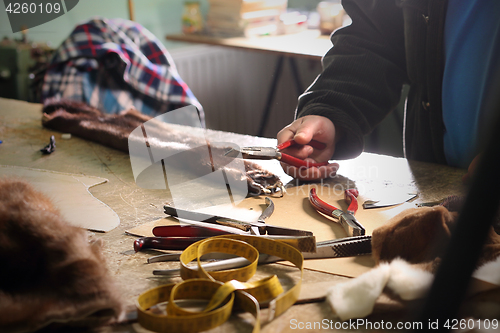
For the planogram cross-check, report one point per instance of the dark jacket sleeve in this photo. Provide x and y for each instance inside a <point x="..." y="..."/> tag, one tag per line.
<point x="362" y="75"/>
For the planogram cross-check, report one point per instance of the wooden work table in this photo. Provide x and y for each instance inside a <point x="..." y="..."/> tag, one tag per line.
<point x="23" y="135"/>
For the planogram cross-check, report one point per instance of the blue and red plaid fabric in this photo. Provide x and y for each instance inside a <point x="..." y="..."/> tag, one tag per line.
<point x="116" y="64"/>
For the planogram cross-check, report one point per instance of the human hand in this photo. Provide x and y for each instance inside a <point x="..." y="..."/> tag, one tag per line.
<point x="303" y="130"/>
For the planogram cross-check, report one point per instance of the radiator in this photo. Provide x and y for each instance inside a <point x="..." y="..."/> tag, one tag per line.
<point x="232" y="86"/>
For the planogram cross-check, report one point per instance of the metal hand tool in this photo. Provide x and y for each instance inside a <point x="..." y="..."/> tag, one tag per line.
<point x="391" y="200"/>
<point x="175" y="237"/>
<point x="258" y="228"/>
<point x="346" y="219"/>
<point x="344" y="247"/>
<point x="268" y="153"/>
<point x="180" y="237"/>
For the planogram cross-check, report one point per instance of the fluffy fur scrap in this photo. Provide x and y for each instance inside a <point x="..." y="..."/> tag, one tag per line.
<point x="489" y="272"/>
<point x="408" y="281"/>
<point x="356" y="298"/>
<point x="50" y="273"/>
<point x="407" y="250"/>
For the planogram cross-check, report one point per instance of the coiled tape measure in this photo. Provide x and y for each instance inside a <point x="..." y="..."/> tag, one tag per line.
<point x="223" y="289"/>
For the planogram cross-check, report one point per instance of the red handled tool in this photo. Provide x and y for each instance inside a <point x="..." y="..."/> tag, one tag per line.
<point x="346" y="219"/>
<point x="175" y="237"/>
<point x="268" y="153"/>
<point x="351" y="198"/>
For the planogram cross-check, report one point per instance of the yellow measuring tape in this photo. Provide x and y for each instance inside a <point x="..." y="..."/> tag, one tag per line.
<point x="222" y="289"/>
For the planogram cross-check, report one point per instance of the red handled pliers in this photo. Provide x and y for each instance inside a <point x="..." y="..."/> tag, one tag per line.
<point x="346" y="219"/>
<point x="268" y="153"/>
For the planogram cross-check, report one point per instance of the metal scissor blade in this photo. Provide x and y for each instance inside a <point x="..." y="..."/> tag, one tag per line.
<point x="270" y="229"/>
<point x="262" y="218"/>
<point x="201" y="217"/>
<point x="389" y="200"/>
<point x="189" y="215"/>
<point x="267" y="212"/>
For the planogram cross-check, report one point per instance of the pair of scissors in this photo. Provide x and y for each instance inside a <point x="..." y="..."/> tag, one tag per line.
<point x="268" y="153"/>
<point x="259" y="228"/>
<point x="180" y="237"/>
<point x="346" y="219"/>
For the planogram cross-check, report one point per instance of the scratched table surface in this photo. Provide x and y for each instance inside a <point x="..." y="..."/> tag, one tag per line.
<point x="23" y="135"/>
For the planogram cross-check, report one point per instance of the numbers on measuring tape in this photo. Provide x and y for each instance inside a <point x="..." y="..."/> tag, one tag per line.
<point x="33" y="8"/>
<point x="246" y="294"/>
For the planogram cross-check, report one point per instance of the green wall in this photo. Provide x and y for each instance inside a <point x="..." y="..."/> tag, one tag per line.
<point x="161" y="17"/>
<point x="305" y="4"/>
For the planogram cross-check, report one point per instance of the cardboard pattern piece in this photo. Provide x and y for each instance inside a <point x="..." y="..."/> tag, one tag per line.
<point x="70" y="194"/>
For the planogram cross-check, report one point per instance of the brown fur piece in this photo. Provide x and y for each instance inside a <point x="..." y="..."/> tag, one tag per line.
<point x="113" y="131"/>
<point x="91" y="124"/>
<point x="50" y="273"/>
<point x="416" y="235"/>
<point x="420" y="235"/>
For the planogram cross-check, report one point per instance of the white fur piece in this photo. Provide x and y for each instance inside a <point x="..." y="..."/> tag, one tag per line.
<point x="356" y="298"/>
<point x="408" y="282"/>
<point x="489" y="272"/>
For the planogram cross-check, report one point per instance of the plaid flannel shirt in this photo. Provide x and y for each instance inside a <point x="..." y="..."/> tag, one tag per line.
<point x="116" y="64"/>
